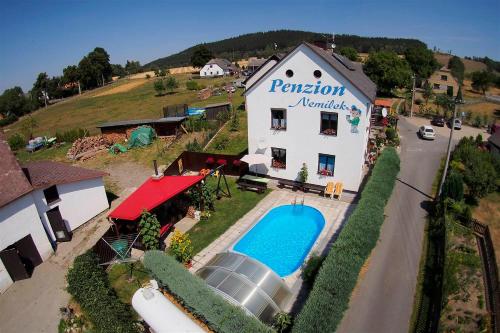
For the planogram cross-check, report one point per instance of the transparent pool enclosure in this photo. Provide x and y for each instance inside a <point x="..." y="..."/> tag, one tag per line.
<point x="248" y="283"/>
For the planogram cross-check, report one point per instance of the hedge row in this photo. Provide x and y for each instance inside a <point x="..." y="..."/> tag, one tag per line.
<point x="338" y="275"/>
<point x="88" y="284"/>
<point x="195" y="295"/>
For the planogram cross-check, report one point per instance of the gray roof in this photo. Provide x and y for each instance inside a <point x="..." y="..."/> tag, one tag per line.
<point x="352" y="71"/>
<point x="141" y="122"/>
<point x="222" y="63"/>
<point x="256" y="62"/>
<point x="216" y="105"/>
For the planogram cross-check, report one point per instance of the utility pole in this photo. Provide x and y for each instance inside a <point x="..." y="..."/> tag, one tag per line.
<point x="445" y="171"/>
<point x="412" y="95"/>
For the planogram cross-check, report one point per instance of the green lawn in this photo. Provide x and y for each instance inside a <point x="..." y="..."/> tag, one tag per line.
<point x="125" y="287"/>
<point x="87" y="111"/>
<point x="227" y="212"/>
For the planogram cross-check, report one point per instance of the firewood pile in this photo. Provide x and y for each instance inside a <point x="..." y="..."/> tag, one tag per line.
<point x="87" y="147"/>
<point x="113" y="138"/>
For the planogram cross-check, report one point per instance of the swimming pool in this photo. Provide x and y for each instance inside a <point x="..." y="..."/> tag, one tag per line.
<point x="283" y="237"/>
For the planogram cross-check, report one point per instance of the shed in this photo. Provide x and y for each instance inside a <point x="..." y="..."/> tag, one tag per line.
<point x="211" y="110"/>
<point x="163" y="126"/>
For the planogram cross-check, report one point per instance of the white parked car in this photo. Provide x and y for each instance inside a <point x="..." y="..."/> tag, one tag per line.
<point x="427" y="132"/>
<point x="458" y="123"/>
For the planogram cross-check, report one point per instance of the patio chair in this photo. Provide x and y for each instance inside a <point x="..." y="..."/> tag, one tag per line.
<point x="329" y="189"/>
<point x="339" y="187"/>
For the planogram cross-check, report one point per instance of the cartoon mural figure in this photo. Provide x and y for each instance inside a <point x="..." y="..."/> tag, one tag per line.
<point x="353" y="119"/>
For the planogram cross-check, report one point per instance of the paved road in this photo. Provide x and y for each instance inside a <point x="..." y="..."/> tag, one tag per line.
<point x="383" y="298"/>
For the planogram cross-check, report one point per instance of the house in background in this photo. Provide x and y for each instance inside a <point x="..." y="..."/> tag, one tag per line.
<point x="254" y="64"/>
<point x="262" y="69"/>
<point x="442" y="81"/>
<point x="218" y="67"/>
<point x="41" y="204"/>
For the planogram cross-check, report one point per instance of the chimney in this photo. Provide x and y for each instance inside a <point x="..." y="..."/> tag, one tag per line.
<point x="156" y="175"/>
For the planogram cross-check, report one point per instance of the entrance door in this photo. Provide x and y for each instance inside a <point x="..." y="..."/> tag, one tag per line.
<point x="58" y="226"/>
<point x="28" y="252"/>
<point x="13" y="264"/>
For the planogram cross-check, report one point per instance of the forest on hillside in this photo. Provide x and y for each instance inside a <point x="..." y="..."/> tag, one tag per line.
<point x="264" y="44"/>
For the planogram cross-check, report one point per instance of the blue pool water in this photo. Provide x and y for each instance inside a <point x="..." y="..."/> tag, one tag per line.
<point x="283" y="237"/>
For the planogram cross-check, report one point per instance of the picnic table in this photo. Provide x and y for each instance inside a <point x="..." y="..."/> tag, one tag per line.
<point x="249" y="182"/>
<point x="256" y="179"/>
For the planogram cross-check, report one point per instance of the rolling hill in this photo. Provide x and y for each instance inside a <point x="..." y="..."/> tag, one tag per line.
<point x="262" y="44"/>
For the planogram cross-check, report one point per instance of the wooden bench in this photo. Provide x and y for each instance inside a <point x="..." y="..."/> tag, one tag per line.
<point x="295" y="185"/>
<point x="289" y="183"/>
<point x="253" y="186"/>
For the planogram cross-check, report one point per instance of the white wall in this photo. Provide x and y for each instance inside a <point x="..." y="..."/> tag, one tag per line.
<point x="78" y="202"/>
<point x="302" y="139"/>
<point x="261" y="71"/>
<point x="215" y="70"/>
<point x="17" y="220"/>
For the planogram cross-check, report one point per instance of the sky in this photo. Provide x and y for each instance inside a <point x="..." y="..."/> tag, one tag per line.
<point x="46" y="36"/>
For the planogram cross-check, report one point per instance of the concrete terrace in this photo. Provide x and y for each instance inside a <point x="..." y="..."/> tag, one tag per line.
<point x="334" y="211"/>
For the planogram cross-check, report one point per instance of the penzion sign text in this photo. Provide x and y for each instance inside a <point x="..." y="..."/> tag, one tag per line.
<point x="278" y="85"/>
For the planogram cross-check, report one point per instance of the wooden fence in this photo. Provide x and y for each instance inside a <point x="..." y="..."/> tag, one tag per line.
<point x="490" y="270"/>
<point x="196" y="161"/>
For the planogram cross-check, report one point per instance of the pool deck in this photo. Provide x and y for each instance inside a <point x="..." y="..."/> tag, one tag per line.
<point x="335" y="212"/>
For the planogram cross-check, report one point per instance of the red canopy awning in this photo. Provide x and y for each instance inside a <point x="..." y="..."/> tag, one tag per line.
<point x="151" y="194"/>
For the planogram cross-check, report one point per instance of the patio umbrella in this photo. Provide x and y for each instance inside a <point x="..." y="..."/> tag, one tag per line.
<point x="256" y="159"/>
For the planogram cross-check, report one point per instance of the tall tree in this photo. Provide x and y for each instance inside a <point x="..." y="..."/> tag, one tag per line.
<point x="39" y="91"/>
<point x="446" y="103"/>
<point x="457" y="68"/>
<point x="14" y="102"/>
<point x="349" y="52"/>
<point x="482" y="81"/>
<point x="201" y="56"/>
<point x="422" y="61"/>
<point x="427" y="91"/>
<point x="118" y="70"/>
<point x="95" y="69"/>
<point x="132" y="67"/>
<point x="388" y="71"/>
<point x="71" y="74"/>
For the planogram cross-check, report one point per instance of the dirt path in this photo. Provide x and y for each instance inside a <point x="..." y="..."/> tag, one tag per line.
<point x="127" y="175"/>
<point x="122" y="88"/>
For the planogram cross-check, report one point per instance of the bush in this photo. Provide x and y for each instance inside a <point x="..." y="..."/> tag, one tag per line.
<point x="194" y="146"/>
<point x="16" y="141"/>
<point x="453" y="187"/>
<point x="192" y="85"/>
<point x="235" y="122"/>
<point x="390" y="133"/>
<point x="8" y="120"/>
<point x="338" y="275"/>
<point x="282" y="321"/>
<point x="71" y="135"/>
<point x="221" y="142"/>
<point x="149" y="229"/>
<point x="195" y="295"/>
<point x="89" y="286"/>
<point x="312" y="268"/>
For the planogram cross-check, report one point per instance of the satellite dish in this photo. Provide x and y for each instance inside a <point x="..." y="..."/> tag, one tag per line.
<point x="384" y="112"/>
